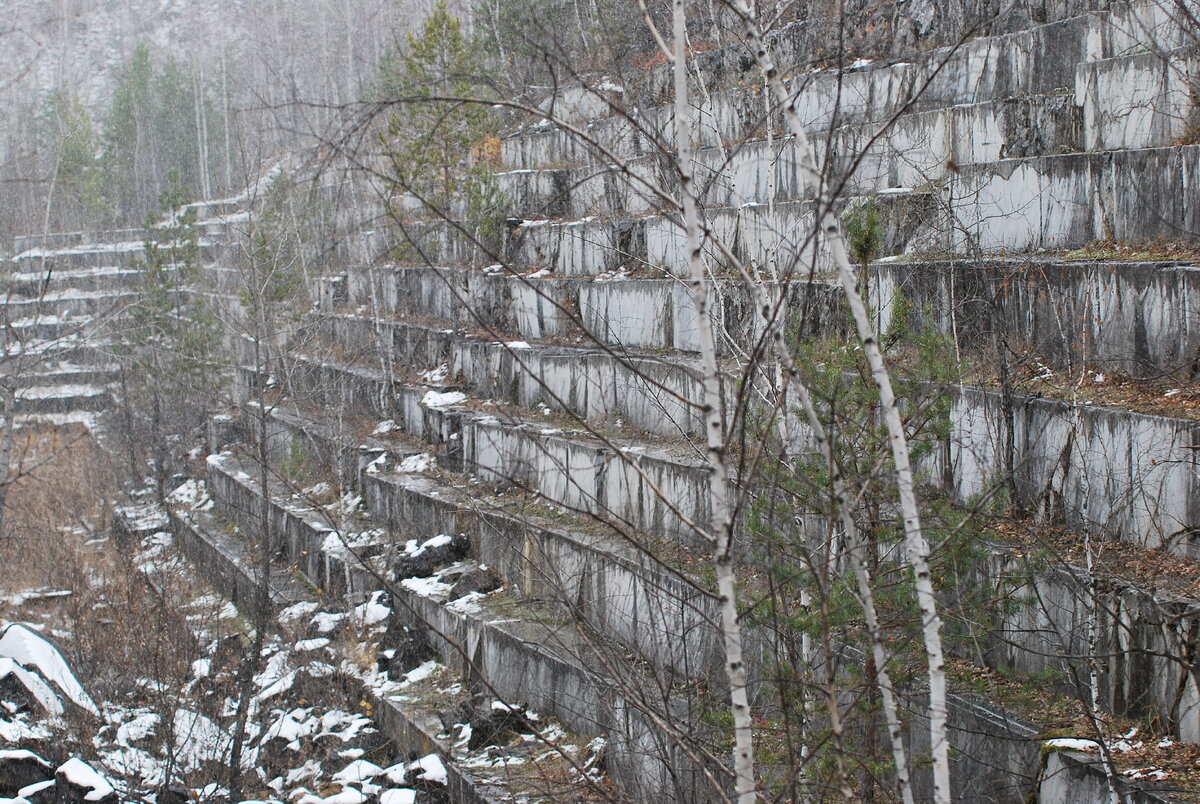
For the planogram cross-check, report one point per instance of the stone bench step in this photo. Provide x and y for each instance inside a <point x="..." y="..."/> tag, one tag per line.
<point x="66" y="303"/>
<point x="537" y="659"/>
<point x="757" y="233"/>
<point x="983" y="68"/>
<point x="222" y="558"/>
<point x="1067" y="313"/>
<point x="918" y="148"/>
<point x="552" y="556"/>
<point x="1058" y="202"/>
<point x="97" y="255"/>
<point x="1087" y="58"/>
<point x="1106" y="452"/>
<point x="29" y="282"/>
<point x="50" y="374"/>
<point x="62" y="398"/>
<point x="54" y="329"/>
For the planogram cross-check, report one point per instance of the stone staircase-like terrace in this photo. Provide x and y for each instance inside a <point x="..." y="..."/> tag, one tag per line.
<point x="552" y="385"/>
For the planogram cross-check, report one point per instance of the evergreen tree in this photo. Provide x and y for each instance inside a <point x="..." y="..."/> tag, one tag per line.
<point x="175" y="126"/>
<point x="77" y="187"/>
<point x="438" y="149"/>
<point x="161" y="130"/>
<point x="169" y="341"/>
<point x="128" y="162"/>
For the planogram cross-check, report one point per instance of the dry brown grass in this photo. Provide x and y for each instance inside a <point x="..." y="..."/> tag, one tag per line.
<point x="59" y="497"/>
<point x="114" y="627"/>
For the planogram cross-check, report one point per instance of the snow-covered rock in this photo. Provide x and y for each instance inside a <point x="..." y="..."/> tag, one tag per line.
<point x="415" y="464"/>
<point x="199" y="741"/>
<point x="26" y="690"/>
<point x="374" y="611"/>
<point x="348" y="795"/>
<point x="420" y="560"/>
<point x="434" y="399"/>
<point x="80" y="783"/>
<point x="429" y="769"/>
<point x="360" y="770"/>
<point x="38" y="792"/>
<point x="34" y="651"/>
<point x="19" y="769"/>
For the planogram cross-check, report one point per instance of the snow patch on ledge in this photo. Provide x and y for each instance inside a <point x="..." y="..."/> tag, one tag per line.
<point x="421" y="462"/>
<point x="1071" y="744"/>
<point x="432" y="769"/>
<point x="192" y="494"/>
<point x="434" y="399"/>
<point x="427" y="587"/>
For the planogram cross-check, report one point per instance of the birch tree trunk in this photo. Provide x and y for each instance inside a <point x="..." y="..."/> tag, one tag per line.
<point x="6" y="447"/>
<point x="1093" y="626"/>
<point x="916" y="545"/>
<point x="719" y="488"/>
<point x="855" y="545"/>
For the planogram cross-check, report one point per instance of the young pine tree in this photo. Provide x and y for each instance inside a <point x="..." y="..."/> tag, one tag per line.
<point x="168" y="342"/>
<point x="439" y="150"/>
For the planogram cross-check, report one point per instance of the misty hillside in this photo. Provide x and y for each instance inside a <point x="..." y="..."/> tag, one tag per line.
<point x="272" y="73"/>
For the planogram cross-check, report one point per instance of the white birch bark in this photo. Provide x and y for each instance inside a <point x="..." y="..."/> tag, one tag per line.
<point x="916" y="545"/>
<point x="722" y="514"/>
<point x="855" y="545"/>
<point x="789" y="377"/>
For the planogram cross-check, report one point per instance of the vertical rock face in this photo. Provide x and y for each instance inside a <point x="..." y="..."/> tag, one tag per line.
<point x="1054" y="128"/>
